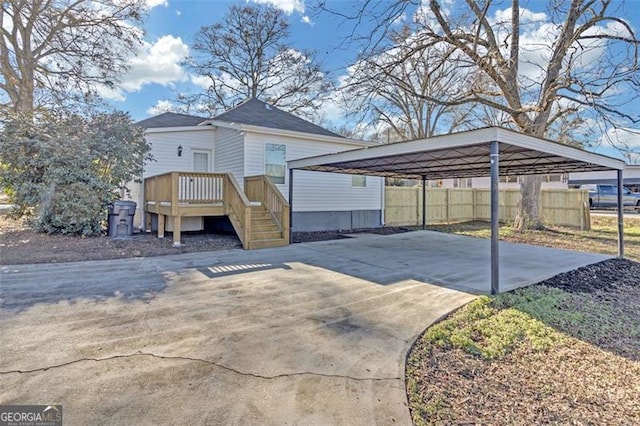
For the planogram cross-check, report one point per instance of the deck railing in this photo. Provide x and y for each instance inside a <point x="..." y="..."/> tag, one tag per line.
<point x="201" y="188"/>
<point x="180" y="194"/>
<point x="260" y="188"/>
<point x="157" y="189"/>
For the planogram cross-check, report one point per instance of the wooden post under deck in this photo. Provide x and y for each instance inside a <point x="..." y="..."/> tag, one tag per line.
<point x="161" y="225"/>
<point x="147" y="221"/>
<point x="177" y="225"/>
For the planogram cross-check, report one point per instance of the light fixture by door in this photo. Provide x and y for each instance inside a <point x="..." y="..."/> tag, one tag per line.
<point x="179" y="150"/>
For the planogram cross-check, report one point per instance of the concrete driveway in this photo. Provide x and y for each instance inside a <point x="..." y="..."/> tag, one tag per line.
<point x="313" y="333"/>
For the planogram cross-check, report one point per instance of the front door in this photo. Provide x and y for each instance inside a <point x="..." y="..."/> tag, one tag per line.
<point x="201" y="160"/>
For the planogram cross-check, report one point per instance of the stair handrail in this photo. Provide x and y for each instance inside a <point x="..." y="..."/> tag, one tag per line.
<point x="260" y="188"/>
<point x="238" y="209"/>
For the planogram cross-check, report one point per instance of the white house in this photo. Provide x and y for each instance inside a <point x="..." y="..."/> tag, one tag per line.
<point x="631" y="177"/>
<point x="256" y="138"/>
<point x="554" y="181"/>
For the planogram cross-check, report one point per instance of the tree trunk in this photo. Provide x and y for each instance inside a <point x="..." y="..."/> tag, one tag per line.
<point x="528" y="214"/>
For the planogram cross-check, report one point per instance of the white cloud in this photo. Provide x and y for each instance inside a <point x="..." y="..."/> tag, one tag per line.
<point x="332" y="110"/>
<point x="157" y="63"/>
<point x="153" y="3"/>
<point x="537" y="40"/>
<point x="400" y="19"/>
<point x="625" y="143"/>
<point x="200" y="80"/>
<point x="623" y="137"/>
<point x="112" y="94"/>
<point x="306" y="20"/>
<point x="161" y="106"/>
<point x="178" y="12"/>
<point x="287" y="6"/>
<point x="526" y="16"/>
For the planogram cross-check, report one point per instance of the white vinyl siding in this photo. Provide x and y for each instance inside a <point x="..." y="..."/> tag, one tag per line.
<point x="229" y="153"/>
<point x="631" y="171"/>
<point x="164" y="148"/>
<point x="314" y="191"/>
<point x="513" y="183"/>
<point x="243" y="154"/>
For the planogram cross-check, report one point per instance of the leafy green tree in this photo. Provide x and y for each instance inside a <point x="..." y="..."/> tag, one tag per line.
<point x="61" y="172"/>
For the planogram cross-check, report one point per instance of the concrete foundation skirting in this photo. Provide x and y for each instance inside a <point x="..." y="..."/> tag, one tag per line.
<point x="303" y="221"/>
<point x="334" y="220"/>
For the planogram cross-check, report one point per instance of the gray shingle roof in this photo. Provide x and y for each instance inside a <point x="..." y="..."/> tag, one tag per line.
<point x="258" y="113"/>
<point x="170" y="119"/>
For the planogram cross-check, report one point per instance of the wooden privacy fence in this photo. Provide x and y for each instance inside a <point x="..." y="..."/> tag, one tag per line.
<point x="403" y="206"/>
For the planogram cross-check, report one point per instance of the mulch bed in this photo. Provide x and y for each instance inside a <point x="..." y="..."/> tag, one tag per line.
<point x="20" y="245"/>
<point x="305" y="237"/>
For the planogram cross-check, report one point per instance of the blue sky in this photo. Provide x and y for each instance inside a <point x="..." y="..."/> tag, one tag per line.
<point x="156" y="75"/>
<point x="172" y="24"/>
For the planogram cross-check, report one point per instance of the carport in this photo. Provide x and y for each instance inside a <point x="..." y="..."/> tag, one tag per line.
<point x="490" y="152"/>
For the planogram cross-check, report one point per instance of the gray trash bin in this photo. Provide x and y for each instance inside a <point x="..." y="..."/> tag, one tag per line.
<point x="121" y="218"/>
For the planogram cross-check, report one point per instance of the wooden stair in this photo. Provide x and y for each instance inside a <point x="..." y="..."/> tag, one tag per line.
<point x="265" y="230"/>
<point x="259" y="214"/>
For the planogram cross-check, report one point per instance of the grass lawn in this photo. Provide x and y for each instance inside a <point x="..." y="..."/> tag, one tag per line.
<point x="565" y="351"/>
<point x="601" y="239"/>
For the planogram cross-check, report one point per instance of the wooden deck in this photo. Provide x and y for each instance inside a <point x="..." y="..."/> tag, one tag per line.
<point x="260" y="217"/>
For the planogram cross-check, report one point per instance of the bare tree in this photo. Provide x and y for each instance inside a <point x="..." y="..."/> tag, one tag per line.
<point x="245" y="56"/>
<point x="397" y="88"/>
<point x="583" y="60"/>
<point x="56" y="52"/>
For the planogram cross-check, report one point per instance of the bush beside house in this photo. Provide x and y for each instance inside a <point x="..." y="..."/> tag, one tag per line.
<point x="62" y="171"/>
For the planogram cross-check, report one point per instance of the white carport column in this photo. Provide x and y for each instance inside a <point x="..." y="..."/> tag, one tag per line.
<point x="620" y="217"/>
<point x="424" y="202"/>
<point x="495" y="217"/>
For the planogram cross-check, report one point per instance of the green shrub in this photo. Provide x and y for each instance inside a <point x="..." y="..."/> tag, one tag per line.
<point x="482" y="329"/>
<point x="61" y="172"/>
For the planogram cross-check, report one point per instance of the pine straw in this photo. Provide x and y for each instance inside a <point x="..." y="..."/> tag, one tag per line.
<point x="575" y="383"/>
<point x="553" y="353"/>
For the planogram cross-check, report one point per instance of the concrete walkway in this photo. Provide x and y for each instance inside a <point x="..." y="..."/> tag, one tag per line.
<point x="309" y="334"/>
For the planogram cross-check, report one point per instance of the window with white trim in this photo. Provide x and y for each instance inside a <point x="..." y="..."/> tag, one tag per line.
<point x="358" y="181"/>
<point x="562" y="177"/>
<point x="275" y="162"/>
<point x="462" y="183"/>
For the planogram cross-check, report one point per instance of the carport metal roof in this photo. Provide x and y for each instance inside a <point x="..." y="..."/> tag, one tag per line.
<point x="459" y="155"/>
<point x="484" y="152"/>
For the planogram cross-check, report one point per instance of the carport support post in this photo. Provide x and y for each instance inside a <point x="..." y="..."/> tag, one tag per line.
<point x="495" y="216"/>
<point x="290" y="206"/>
<point x="424" y="202"/>
<point x="620" y="217"/>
